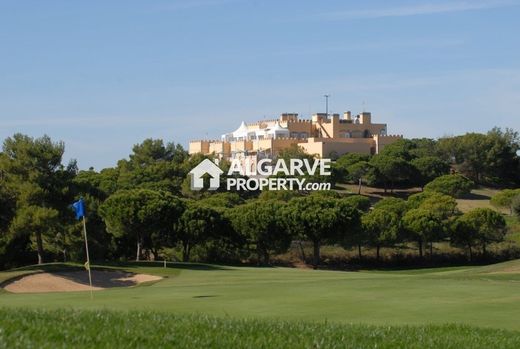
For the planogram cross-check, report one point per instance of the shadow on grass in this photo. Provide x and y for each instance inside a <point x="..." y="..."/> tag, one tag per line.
<point x="415" y="265"/>
<point x="205" y="296"/>
<point x="396" y="193"/>
<point x="475" y="196"/>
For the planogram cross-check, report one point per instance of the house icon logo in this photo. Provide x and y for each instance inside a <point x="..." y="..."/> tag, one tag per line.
<point x="205" y="167"/>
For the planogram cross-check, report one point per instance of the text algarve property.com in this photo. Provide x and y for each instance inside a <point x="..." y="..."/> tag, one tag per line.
<point x="263" y="175"/>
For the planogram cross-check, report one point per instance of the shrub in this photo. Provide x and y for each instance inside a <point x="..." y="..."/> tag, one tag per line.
<point x="454" y="185"/>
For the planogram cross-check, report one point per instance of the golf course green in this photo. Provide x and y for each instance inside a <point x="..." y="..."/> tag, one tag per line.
<point x="483" y="296"/>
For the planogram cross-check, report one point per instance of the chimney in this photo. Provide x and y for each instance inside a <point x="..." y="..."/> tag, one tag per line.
<point x="347" y="115"/>
<point x="288" y="117"/>
<point x="319" y="117"/>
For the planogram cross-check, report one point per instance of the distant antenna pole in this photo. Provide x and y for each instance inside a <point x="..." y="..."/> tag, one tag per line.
<point x="364" y="106"/>
<point x="326" y="105"/>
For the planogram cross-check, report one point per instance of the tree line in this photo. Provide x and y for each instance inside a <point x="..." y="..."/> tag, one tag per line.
<point x="486" y="159"/>
<point x="143" y="208"/>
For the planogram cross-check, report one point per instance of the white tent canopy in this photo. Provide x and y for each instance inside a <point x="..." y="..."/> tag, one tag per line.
<point x="241" y="131"/>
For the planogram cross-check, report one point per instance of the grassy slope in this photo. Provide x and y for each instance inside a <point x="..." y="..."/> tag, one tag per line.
<point x="473" y="295"/>
<point x="479" y="198"/>
<point x="104" y="329"/>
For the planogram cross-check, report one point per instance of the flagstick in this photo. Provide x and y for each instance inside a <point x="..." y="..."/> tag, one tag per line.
<point x="88" y="258"/>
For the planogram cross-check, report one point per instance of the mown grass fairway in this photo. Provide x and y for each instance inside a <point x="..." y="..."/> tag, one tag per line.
<point x="478" y="296"/>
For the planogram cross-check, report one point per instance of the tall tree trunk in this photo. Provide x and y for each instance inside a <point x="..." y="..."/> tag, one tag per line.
<point x="470" y="253"/>
<point x="266" y="257"/>
<point x="360" y="255"/>
<point x="138" y="252"/>
<point x="378" y="248"/>
<point x="316" y="254"/>
<point x="359" y="187"/>
<point x="259" y="255"/>
<point x="186" y="252"/>
<point x="431" y="249"/>
<point x="420" y="248"/>
<point x="304" y="258"/>
<point x="484" y="252"/>
<point x="39" y="247"/>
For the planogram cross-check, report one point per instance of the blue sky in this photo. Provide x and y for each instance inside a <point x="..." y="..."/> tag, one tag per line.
<point x="104" y="75"/>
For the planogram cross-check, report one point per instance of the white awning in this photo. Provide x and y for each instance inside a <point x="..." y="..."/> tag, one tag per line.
<point x="241" y="131"/>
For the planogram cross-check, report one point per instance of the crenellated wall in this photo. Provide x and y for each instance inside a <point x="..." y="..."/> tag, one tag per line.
<point x="198" y="147"/>
<point x="220" y="148"/>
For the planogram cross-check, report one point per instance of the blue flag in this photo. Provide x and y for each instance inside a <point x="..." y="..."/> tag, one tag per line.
<point x="79" y="208"/>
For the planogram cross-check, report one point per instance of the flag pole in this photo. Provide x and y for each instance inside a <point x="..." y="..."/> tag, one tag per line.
<point x="88" y="257"/>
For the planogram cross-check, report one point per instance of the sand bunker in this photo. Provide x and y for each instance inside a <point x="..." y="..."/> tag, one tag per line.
<point x="76" y="281"/>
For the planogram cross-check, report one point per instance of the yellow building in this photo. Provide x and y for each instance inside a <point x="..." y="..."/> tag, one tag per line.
<point x="323" y="135"/>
